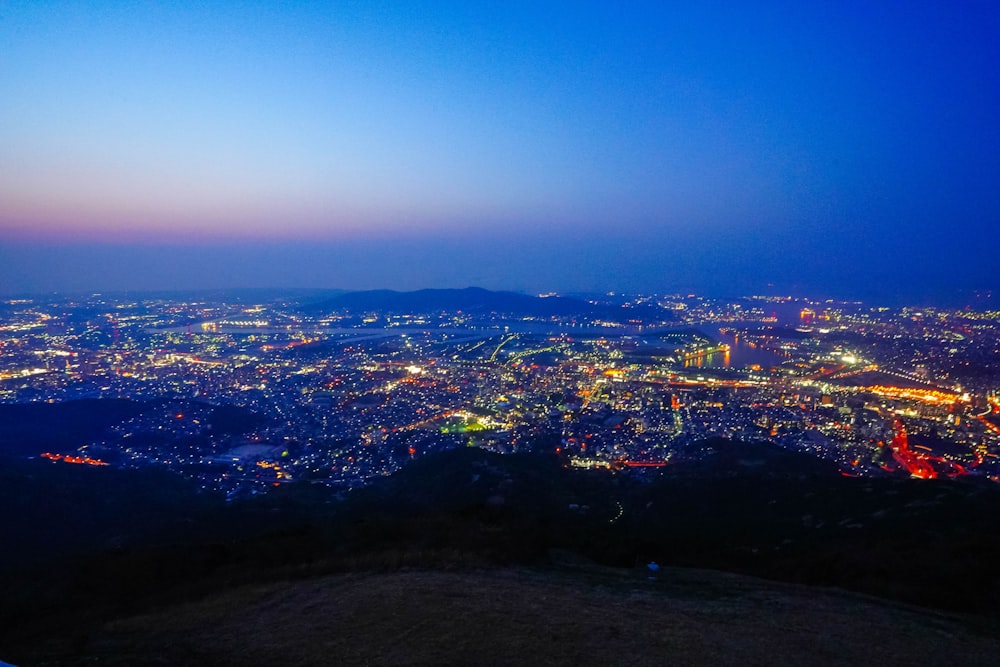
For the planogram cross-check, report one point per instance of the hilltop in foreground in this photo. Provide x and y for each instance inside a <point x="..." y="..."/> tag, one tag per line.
<point x="570" y="615"/>
<point x="471" y="557"/>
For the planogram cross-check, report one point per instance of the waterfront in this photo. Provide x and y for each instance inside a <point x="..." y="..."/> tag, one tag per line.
<point x="734" y="352"/>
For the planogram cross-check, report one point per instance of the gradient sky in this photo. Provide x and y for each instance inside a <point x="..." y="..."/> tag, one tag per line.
<point x="841" y="147"/>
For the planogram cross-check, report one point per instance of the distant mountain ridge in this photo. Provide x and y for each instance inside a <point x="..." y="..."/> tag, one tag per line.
<point x="477" y="300"/>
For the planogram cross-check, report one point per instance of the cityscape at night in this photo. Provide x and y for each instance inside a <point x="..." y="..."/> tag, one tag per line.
<point x="341" y="391"/>
<point x="276" y="407"/>
<point x="470" y="333"/>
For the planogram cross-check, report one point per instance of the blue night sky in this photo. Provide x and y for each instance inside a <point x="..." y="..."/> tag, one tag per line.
<point x="835" y="148"/>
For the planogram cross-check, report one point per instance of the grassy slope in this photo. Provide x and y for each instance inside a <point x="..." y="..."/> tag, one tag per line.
<point x="581" y="615"/>
<point x="145" y="545"/>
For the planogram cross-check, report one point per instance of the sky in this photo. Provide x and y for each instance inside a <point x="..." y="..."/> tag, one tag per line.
<point x="833" y="148"/>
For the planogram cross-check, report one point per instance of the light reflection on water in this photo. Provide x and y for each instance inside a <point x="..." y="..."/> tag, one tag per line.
<point x="741" y="354"/>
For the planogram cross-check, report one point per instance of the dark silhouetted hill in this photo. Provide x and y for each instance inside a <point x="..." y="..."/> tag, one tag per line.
<point x="582" y="615"/>
<point x="751" y="509"/>
<point x="28" y="429"/>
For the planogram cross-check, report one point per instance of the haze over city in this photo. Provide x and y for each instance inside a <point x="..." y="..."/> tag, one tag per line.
<point x="848" y="149"/>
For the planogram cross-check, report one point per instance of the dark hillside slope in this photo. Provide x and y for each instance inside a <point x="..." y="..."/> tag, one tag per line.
<point x="932" y="543"/>
<point x="28" y="429"/>
<point x="793" y="518"/>
<point x="584" y="616"/>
